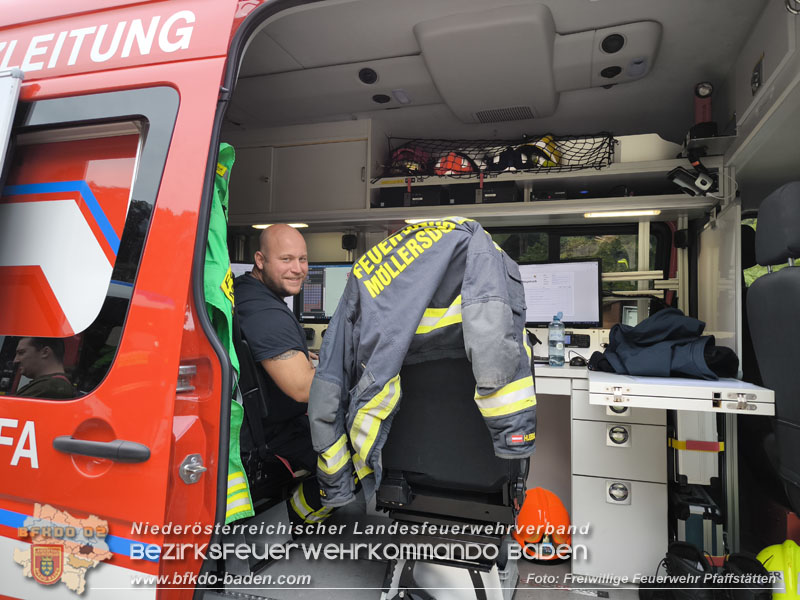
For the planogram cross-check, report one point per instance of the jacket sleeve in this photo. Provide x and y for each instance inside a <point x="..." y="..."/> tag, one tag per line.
<point x="327" y="409"/>
<point x="490" y="341"/>
<point x="494" y="338"/>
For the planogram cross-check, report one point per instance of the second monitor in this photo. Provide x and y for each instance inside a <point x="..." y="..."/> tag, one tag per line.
<point x="572" y="287"/>
<point x="322" y="290"/>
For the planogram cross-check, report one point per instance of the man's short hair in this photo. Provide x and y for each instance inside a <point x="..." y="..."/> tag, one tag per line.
<point x="56" y="345"/>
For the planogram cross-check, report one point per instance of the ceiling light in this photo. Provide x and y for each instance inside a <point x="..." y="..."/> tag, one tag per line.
<point x="401" y="96"/>
<point x="621" y="213"/>
<point x="265" y="225"/>
<point x="703" y="89"/>
<point x="415" y="221"/>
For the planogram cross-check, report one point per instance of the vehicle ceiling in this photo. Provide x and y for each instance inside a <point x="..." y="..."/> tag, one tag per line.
<point x="302" y="67"/>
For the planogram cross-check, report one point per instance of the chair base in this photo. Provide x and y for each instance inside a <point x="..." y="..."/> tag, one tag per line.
<point x="421" y="580"/>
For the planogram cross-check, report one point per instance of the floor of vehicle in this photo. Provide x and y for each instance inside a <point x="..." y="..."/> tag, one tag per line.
<point x="364" y="579"/>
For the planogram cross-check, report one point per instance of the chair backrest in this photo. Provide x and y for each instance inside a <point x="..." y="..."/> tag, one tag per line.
<point x="773" y="308"/>
<point x="440" y="447"/>
<point x="267" y="475"/>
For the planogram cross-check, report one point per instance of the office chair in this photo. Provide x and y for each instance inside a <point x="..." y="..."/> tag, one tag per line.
<point x="439" y="464"/>
<point x="773" y="302"/>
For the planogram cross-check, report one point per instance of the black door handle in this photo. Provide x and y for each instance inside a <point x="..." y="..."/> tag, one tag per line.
<point x="116" y="450"/>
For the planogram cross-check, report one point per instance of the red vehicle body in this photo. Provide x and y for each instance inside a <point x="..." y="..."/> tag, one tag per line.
<point x="101" y="66"/>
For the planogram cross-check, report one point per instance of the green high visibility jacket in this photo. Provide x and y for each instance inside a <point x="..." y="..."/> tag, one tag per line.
<point x="218" y="286"/>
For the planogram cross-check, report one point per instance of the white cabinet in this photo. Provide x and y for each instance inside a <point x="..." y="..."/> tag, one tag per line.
<point x="309" y="173"/>
<point x="627" y="526"/>
<point x="250" y="184"/>
<point x="309" y="178"/>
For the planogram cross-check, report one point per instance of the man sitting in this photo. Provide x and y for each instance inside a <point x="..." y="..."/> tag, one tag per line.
<point x="42" y="360"/>
<point x="278" y="342"/>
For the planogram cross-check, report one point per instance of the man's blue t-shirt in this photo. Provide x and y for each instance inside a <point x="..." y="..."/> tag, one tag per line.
<point x="270" y="329"/>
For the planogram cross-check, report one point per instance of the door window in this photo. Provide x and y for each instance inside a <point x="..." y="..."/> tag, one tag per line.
<point x="70" y="240"/>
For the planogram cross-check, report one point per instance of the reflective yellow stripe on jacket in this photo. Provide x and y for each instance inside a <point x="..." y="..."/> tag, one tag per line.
<point x="367" y="423"/>
<point x="301" y="507"/>
<point x="238" y="496"/>
<point x="436" y="318"/>
<point x="514" y="397"/>
<point x="334" y="458"/>
<point x="362" y="470"/>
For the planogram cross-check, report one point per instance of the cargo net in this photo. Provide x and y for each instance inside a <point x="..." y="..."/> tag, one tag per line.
<point x="468" y="158"/>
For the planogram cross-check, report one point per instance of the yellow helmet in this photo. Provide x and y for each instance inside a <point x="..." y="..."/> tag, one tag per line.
<point x="783" y="560"/>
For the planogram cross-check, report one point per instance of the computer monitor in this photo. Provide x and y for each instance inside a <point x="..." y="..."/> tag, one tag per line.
<point x="572" y="287"/>
<point x="240" y="268"/>
<point x="322" y="290"/>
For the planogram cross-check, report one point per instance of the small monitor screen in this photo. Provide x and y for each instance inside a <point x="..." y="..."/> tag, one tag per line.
<point x="322" y="290"/>
<point x="570" y="287"/>
<point x="240" y="268"/>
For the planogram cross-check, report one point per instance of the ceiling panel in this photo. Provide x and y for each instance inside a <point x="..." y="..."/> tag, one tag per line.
<point x="316" y="47"/>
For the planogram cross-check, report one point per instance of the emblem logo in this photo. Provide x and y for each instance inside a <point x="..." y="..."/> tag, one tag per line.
<point x="48" y="562"/>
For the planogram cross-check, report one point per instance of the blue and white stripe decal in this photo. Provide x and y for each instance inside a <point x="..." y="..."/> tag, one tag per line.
<point x="80" y="186"/>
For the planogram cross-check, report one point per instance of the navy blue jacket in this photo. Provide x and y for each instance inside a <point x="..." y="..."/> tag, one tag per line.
<point x="667" y="344"/>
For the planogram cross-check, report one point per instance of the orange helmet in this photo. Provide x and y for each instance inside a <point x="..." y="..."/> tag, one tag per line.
<point x="543" y="528"/>
<point x="455" y="163"/>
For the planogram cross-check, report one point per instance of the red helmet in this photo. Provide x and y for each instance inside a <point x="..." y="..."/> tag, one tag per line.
<point x="455" y="163"/>
<point x="409" y="159"/>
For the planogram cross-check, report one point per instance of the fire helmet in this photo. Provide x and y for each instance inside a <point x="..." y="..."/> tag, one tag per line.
<point x="455" y="163"/>
<point x="410" y="159"/>
<point x="543" y="152"/>
<point x="543" y="526"/>
<point x="783" y="560"/>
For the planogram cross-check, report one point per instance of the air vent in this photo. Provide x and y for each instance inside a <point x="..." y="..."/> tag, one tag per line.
<point x="515" y="113"/>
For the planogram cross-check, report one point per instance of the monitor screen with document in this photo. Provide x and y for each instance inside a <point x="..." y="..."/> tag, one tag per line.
<point x="572" y="287"/>
<point x="322" y="290"/>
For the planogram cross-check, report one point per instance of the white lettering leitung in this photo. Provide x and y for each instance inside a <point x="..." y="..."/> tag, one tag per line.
<point x="35" y="50"/>
<point x="100" y="43"/>
<point x="184" y="33"/>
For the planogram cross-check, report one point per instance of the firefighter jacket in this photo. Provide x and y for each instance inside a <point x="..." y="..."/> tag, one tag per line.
<point x="439" y="289"/>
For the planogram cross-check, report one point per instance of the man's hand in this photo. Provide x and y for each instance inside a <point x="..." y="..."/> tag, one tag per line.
<point x="292" y="372"/>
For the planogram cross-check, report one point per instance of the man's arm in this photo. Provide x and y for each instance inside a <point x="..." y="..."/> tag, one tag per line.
<point x="292" y="372"/>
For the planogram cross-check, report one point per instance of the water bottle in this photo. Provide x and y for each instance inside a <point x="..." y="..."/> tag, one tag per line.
<point x="555" y="340"/>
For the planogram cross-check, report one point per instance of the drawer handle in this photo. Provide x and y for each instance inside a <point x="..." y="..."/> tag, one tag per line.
<point x="619" y="435"/>
<point x="618" y="409"/>
<point x="619" y="492"/>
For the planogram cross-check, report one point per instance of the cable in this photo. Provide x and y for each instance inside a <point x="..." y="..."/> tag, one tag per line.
<point x="735" y="188"/>
<point x="571" y="352"/>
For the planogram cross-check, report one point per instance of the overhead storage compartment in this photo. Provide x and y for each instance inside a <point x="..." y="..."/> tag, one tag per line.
<point x="473" y="57"/>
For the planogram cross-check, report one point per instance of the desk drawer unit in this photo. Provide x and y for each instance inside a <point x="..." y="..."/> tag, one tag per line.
<point x="617" y="449"/>
<point x="627" y="525"/>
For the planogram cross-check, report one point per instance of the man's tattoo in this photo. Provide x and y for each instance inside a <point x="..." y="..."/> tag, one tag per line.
<point x="286" y="355"/>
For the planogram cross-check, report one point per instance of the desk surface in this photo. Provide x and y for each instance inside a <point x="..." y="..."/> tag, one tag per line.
<point x="673" y="393"/>
<point x="680" y="393"/>
<point x="565" y="371"/>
